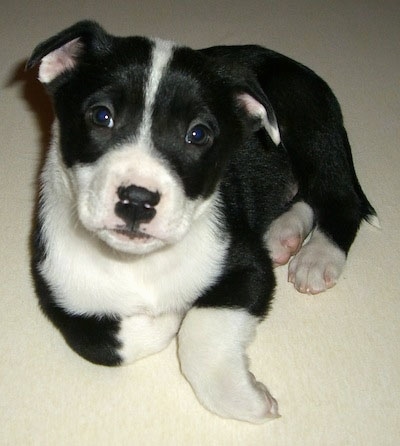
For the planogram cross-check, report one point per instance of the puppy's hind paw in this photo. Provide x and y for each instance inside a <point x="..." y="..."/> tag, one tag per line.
<point x="317" y="266"/>
<point x="287" y="233"/>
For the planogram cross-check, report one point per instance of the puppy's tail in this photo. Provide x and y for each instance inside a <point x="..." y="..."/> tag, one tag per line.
<point x="372" y="218"/>
<point x="368" y="212"/>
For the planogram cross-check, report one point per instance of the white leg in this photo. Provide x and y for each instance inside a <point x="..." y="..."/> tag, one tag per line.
<point x="142" y="335"/>
<point x="318" y="264"/>
<point x="287" y="233"/>
<point x="212" y="353"/>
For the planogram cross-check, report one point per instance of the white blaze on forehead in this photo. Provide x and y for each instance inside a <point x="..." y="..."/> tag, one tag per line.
<point x="162" y="53"/>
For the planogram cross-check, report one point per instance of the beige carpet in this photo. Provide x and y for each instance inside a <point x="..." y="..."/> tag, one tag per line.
<point x="332" y="361"/>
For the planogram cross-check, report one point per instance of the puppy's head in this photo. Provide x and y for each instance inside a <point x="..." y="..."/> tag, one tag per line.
<point x="146" y="129"/>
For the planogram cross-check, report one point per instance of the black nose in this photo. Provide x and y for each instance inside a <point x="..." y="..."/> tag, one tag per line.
<point x="138" y="196"/>
<point x="136" y="205"/>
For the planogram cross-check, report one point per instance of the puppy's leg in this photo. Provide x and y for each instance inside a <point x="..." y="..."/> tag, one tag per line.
<point x="286" y="234"/>
<point x="142" y="335"/>
<point x="212" y="353"/>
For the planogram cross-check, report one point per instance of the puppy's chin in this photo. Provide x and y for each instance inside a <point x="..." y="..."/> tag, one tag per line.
<point x="135" y="243"/>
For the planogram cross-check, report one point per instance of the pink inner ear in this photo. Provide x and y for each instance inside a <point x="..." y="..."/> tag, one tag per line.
<point x="257" y="110"/>
<point x="59" y="61"/>
<point x="253" y="107"/>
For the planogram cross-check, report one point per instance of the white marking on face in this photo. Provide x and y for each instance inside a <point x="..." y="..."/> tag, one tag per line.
<point x="162" y="53"/>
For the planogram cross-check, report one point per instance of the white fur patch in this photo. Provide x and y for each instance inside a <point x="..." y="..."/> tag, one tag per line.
<point x="318" y="264"/>
<point x="212" y="353"/>
<point x="142" y="335"/>
<point x="96" y="188"/>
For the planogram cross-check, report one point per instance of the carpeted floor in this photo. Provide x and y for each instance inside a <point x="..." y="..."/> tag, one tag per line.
<point x="332" y="360"/>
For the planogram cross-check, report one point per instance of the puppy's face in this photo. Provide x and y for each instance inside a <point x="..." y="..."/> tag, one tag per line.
<point x="145" y="131"/>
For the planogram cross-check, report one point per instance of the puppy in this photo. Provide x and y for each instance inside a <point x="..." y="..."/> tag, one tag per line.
<point x="175" y="181"/>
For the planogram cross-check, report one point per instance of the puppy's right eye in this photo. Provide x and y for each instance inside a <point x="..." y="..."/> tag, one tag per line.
<point x="102" y="117"/>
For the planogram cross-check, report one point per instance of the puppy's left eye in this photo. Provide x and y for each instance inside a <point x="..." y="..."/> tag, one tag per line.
<point x="102" y="117"/>
<point x="199" y="135"/>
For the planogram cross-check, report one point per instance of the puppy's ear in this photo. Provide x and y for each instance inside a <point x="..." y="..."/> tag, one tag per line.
<point x="260" y="111"/>
<point x="61" y="53"/>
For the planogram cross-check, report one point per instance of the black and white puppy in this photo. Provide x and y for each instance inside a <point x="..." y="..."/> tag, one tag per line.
<point x="176" y="179"/>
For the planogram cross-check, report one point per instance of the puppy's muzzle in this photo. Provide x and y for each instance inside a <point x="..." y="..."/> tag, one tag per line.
<point x="136" y="205"/>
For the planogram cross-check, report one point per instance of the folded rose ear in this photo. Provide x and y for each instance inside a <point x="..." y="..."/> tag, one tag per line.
<point x="61" y="53"/>
<point x="262" y="113"/>
<point x="59" y="61"/>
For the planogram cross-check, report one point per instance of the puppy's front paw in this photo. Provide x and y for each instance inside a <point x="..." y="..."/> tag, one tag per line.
<point x="241" y="398"/>
<point x="235" y="394"/>
<point x="211" y="350"/>
<point x="287" y="233"/>
<point x="267" y="407"/>
<point x="317" y="266"/>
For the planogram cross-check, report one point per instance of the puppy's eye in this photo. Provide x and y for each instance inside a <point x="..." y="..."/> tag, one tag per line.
<point x="199" y="135"/>
<point x="102" y="117"/>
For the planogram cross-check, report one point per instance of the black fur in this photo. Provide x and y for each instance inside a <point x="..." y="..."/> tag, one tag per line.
<point x="312" y="131"/>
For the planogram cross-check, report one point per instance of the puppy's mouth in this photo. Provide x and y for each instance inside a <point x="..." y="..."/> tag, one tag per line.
<point x="131" y="241"/>
<point x="132" y="234"/>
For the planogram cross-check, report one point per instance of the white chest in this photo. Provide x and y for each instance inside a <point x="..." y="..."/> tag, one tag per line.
<point x="88" y="278"/>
